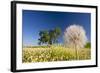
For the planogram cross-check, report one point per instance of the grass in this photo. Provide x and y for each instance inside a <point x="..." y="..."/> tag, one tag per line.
<point x="53" y="53"/>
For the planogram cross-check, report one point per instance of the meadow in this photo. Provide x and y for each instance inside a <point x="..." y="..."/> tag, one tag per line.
<point x="54" y="53"/>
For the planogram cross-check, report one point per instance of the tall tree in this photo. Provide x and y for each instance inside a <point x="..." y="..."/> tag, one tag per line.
<point x="57" y="32"/>
<point x="51" y="34"/>
<point x="44" y="37"/>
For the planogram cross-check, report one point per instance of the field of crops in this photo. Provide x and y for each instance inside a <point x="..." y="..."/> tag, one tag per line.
<point x="54" y="53"/>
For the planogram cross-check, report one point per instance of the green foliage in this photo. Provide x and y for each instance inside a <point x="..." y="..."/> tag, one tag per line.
<point x="51" y="34"/>
<point x="44" y="37"/>
<point x="88" y="45"/>
<point x="57" y="32"/>
<point x="53" y="53"/>
<point x="49" y="37"/>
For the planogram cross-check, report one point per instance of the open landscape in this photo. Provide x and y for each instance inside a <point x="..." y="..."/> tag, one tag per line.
<point x="50" y="36"/>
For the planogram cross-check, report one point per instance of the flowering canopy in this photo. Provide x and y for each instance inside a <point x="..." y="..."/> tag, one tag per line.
<point x="75" y="36"/>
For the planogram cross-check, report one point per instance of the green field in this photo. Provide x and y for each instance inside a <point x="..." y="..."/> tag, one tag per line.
<point x="54" y="53"/>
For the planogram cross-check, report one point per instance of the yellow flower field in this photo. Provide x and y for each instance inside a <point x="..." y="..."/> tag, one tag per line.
<point x="54" y="53"/>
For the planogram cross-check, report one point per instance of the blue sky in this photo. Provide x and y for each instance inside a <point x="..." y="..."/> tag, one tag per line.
<point x="35" y="21"/>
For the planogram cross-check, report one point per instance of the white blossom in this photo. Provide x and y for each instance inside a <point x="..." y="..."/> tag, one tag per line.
<point x="75" y="36"/>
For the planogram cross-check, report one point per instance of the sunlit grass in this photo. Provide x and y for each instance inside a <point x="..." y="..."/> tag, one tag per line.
<point x="54" y="53"/>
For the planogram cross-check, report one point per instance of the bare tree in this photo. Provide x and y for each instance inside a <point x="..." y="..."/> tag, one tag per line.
<point x="75" y="37"/>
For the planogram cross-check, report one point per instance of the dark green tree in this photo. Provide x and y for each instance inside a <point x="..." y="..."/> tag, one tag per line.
<point x="57" y="32"/>
<point x="51" y="34"/>
<point x="44" y="37"/>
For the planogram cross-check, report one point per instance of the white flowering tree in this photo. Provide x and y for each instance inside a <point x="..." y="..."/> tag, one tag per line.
<point x="75" y="37"/>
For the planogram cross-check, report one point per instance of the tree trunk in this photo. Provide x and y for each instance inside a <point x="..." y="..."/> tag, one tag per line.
<point x="76" y="53"/>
